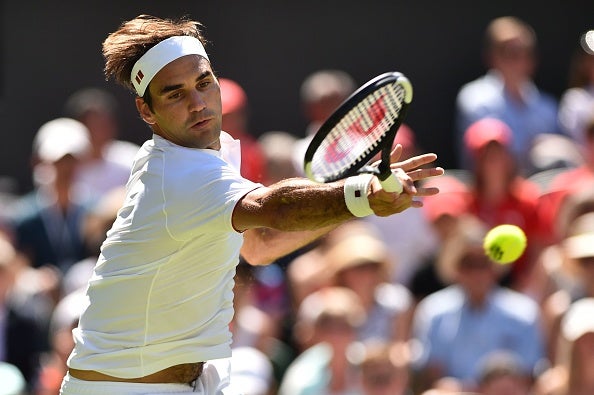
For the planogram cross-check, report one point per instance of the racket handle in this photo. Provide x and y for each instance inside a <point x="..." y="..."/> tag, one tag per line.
<point x="391" y="183"/>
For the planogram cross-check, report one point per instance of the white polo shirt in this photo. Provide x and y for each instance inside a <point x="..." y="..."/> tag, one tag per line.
<point x="161" y="293"/>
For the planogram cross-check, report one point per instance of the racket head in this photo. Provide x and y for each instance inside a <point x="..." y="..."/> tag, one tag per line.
<point x="364" y="124"/>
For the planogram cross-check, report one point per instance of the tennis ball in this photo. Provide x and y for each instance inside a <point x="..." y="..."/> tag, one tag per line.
<point x="505" y="243"/>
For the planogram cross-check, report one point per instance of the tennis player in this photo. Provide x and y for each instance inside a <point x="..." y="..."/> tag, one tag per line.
<point x="160" y="299"/>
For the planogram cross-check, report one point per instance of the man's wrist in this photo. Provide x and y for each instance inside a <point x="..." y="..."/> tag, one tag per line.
<point x="355" y="194"/>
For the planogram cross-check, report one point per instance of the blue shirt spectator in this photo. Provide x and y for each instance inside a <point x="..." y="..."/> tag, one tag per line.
<point x="474" y="317"/>
<point x="507" y="91"/>
<point x="458" y="336"/>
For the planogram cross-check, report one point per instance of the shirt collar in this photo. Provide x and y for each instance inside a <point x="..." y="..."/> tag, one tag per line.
<point x="528" y="91"/>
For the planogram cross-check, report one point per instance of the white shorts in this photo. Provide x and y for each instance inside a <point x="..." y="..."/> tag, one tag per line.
<point x="209" y="383"/>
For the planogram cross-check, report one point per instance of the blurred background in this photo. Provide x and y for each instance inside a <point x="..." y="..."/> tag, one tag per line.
<point x="50" y="49"/>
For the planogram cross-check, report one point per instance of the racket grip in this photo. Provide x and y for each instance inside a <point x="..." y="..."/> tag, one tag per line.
<point x="391" y="183"/>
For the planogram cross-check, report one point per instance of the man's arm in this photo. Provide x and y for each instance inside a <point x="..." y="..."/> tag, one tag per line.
<point x="290" y="214"/>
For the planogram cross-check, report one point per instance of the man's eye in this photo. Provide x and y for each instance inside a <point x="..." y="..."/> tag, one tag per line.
<point x="175" y="95"/>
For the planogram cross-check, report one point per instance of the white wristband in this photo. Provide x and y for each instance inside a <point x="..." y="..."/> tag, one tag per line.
<point x="355" y="194"/>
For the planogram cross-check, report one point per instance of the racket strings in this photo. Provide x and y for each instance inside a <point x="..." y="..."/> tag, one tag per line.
<point x="359" y="132"/>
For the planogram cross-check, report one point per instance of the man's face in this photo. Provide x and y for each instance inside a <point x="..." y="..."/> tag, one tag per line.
<point x="476" y="274"/>
<point x="515" y="59"/>
<point x="186" y="101"/>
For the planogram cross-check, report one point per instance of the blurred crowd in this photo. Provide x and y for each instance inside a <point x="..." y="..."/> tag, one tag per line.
<point x="405" y="305"/>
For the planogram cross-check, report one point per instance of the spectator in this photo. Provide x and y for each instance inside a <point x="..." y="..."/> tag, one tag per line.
<point x="320" y="94"/>
<point x="21" y="337"/>
<point x="461" y="324"/>
<point x="326" y="327"/>
<point x="48" y="221"/>
<point x="499" y="195"/>
<point x="278" y="147"/>
<point x="408" y="251"/>
<point x="502" y="374"/>
<point x="569" y="181"/>
<point x="552" y="271"/>
<point x="361" y="262"/>
<point x="507" y="91"/>
<point x="307" y="272"/>
<point x="384" y="368"/>
<point x="107" y="163"/>
<point x="236" y="122"/>
<point x="573" y="372"/>
<point x="577" y="102"/>
<point x="577" y="256"/>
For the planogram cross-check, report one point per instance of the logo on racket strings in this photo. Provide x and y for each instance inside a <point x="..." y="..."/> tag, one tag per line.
<point x="363" y="129"/>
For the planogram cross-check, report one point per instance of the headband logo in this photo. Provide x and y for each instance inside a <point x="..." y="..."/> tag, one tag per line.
<point x="139" y="76"/>
<point x="163" y="53"/>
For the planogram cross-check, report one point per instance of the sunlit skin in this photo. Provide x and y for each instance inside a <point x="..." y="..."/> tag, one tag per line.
<point x="186" y="103"/>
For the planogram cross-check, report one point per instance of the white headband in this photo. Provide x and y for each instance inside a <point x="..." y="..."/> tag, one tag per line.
<point x="159" y="56"/>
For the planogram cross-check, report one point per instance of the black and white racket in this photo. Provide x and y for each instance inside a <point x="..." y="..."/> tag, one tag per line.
<point x="363" y="125"/>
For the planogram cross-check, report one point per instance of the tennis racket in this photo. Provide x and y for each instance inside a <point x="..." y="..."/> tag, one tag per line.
<point x="362" y="126"/>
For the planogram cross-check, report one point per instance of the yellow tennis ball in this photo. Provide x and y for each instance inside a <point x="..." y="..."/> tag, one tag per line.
<point x="505" y="243"/>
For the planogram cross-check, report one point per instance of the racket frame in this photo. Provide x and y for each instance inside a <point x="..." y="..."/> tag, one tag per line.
<point x="383" y="170"/>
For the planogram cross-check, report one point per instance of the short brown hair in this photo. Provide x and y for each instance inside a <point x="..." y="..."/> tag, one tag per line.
<point x="123" y="48"/>
<point x="502" y="29"/>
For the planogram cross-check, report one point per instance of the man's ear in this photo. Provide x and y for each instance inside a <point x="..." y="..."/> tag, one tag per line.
<point x="144" y="111"/>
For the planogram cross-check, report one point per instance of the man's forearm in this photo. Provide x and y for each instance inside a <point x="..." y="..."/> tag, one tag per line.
<point x="299" y="204"/>
<point x="299" y="212"/>
<point x="264" y="245"/>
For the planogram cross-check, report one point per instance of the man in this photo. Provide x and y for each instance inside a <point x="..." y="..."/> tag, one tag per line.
<point x="465" y="322"/>
<point x="160" y="298"/>
<point x="507" y="91"/>
<point x="47" y="222"/>
<point x="327" y="324"/>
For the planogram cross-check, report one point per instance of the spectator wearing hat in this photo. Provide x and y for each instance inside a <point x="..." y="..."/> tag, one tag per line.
<point x="499" y="194"/>
<point x="234" y="101"/>
<point x="502" y="374"/>
<point x="361" y="262"/>
<point x="573" y="371"/>
<point x="507" y="91"/>
<point x="573" y="278"/>
<point x="473" y="317"/>
<point x="326" y="328"/>
<point x="48" y="221"/>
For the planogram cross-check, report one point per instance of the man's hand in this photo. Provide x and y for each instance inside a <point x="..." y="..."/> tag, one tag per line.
<point x="408" y="172"/>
